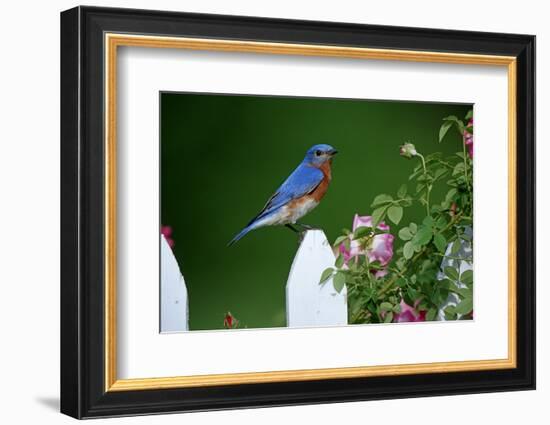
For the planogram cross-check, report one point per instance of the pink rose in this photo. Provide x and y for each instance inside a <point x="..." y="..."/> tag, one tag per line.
<point x="469" y="139"/>
<point x="380" y="248"/>
<point x="409" y="314"/>
<point x="230" y="321"/>
<point x="166" y="231"/>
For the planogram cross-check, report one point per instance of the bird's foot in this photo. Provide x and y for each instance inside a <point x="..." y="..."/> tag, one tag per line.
<point x="306" y="227"/>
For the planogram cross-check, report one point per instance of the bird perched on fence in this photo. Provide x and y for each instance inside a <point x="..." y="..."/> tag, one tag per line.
<point x="299" y="194"/>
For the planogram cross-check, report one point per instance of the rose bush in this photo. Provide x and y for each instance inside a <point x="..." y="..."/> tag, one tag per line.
<point x="389" y="284"/>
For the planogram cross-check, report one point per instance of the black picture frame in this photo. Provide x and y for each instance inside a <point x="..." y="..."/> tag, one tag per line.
<point x="83" y="392"/>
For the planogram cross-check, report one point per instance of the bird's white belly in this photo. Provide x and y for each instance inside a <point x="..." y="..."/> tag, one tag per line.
<point x="296" y="213"/>
<point x="288" y="214"/>
<point x="291" y="214"/>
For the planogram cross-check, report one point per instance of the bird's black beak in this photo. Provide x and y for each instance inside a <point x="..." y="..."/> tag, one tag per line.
<point x="333" y="152"/>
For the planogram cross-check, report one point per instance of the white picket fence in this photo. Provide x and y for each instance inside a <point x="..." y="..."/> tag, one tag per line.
<point x="174" y="305"/>
<point x="307" y="302"/>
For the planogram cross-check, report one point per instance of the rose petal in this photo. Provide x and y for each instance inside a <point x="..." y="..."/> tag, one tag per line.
<point x="410" y="314"/>
<point x="358" y="221"/>
<point x="382" y="249"/>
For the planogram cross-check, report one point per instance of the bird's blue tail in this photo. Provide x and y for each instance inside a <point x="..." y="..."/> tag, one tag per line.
<point x="241" y="234"/>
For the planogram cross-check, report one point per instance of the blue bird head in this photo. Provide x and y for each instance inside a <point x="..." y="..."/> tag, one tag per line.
<point x="319" y="154"/>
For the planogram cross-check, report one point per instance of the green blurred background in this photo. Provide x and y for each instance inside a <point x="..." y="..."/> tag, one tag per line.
<point x="222" y="156"/>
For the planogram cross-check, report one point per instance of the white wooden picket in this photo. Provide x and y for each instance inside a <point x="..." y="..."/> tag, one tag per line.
<point x="174" y="309"/>
<point x="309" y="303"/>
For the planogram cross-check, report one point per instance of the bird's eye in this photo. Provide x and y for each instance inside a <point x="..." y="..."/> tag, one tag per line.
<point x="318" y="153"/>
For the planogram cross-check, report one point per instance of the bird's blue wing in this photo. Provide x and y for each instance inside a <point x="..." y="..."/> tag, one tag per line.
<point x="302" y="181"/>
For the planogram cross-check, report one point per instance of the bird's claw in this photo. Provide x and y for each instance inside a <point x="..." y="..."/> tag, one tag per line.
<point x="307" y="227"/>
<point x="304" y="229"/>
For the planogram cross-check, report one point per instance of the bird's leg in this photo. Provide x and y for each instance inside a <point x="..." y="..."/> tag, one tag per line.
<point x="291" y="227"/>
<point x="301" y="233"/>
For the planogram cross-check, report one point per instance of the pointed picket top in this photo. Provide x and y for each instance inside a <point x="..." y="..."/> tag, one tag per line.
<point x="174" y="310"/>
<point x="309" y="303"/>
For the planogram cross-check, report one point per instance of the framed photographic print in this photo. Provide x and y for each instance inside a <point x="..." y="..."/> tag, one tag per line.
<point x="262" y="212"/>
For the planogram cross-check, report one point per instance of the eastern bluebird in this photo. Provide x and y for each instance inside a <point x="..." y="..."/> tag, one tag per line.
<point x="299" y="194"/>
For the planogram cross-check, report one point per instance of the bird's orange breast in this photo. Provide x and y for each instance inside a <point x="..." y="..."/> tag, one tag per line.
<point x="322" y="188"/>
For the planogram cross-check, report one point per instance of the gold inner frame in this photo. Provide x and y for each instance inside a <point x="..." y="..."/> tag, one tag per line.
<point x="113" y="41"/>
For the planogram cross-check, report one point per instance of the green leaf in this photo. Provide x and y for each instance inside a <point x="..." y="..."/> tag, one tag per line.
<point x="355" y="306"/>
<point x="339" y="261"/>
<point x="349" y="276"/>
<point x="378" y="216"/>
<point x="423" y="236"/>
<point x="469" y="115"/>
<point x="405" y="234"/>
<point x="456" y="246"/>
<point x="340" y="239"/>
<point x="412" y="294"/>
<point x="326" y="275"/>
<point x="467" y="277"/>
<point x="408" y="250"/>
<point x="443" y="130"/>
<point x="395" y="213"/>
<point x="339" y="280"/>
<point x="458" y="122"/>
<point x="353" y="266"/>
<point x="372" y="308"/>
<point x="388" y="317"/>
<point x="458" y="169"/>
<point x="441" y="222"/>
<point x="361" y="232"/>
<point x="439" y="173"/>
<point x="450" y="118"/>
<point x="450" y="313"/>
<point x="402" y="191"/>
<point x="451" y="309"/>
<point x="465" y="306"/>
<point x="347" y="244"/>
<point x="413" y="227"/>
<point x="386" y="306"/>
<point x="381" y="199"/>
<point x="440" y="242"/>
<point x="428" y="221"/>
<point x="463" y="292"/>
<point x="451" y="273"/>
<point x="430" y="316"/>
